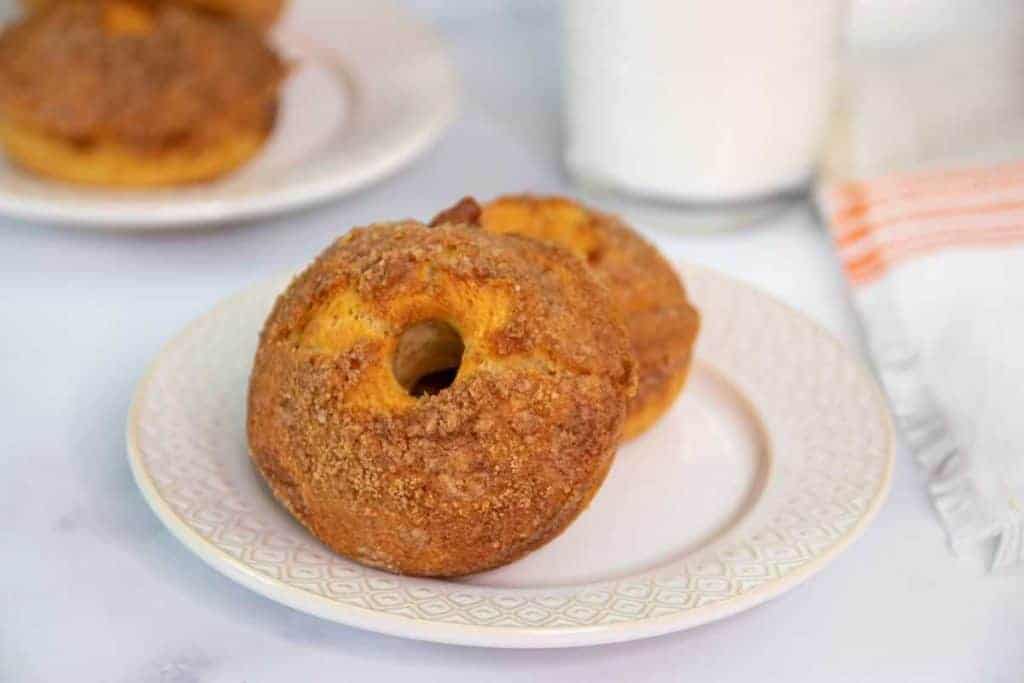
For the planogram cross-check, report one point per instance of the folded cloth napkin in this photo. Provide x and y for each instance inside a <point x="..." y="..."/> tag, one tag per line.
<point x="935" y="264"/>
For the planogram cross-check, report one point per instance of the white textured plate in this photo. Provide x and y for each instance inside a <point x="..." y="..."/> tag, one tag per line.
<point x="371" y="88"/>
<point x="775" y="458"/>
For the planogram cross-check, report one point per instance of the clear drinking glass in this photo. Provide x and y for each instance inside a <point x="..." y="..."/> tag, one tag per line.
<point x="714" y="111"/>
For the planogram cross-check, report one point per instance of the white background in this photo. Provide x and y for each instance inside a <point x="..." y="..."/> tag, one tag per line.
<point x="92" y="588"/>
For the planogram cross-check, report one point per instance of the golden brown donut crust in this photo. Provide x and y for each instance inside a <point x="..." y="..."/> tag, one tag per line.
<point x="478" y="474"/>
<point x="147" y="76"/>
<point x="661" y="322"/>
<point x="259" y="12"/>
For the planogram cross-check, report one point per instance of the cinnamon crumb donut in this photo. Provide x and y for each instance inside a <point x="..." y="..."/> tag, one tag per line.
<point x="661" y="322"/>
<point x="134" y="93"/>
<point x="438" y="401"/>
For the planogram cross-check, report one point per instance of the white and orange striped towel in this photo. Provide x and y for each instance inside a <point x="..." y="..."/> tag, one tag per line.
<point x="935" y="263"/>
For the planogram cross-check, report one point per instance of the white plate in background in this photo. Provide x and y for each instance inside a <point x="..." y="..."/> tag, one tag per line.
<point x="371" y="88"/>
<point x="775" y="458"/>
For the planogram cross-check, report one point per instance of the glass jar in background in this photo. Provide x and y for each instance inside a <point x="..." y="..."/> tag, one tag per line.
<point x="714" y="109"/>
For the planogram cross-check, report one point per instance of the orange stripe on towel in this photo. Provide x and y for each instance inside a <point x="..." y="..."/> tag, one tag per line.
<point x="852" y="202"/>
<point x="910" y="185"/>
<point x="874" y="263"/>
<point x="853" y="233"/>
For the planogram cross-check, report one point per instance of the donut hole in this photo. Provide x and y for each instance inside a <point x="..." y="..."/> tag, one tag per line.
<point x="428" y="357"/>
<point x="82" y="145"/>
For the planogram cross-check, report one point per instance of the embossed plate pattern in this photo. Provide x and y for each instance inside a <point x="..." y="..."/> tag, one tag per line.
<point x="824" y="473"/>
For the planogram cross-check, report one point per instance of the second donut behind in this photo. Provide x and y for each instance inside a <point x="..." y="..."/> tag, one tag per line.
<point x="650" y="297"/>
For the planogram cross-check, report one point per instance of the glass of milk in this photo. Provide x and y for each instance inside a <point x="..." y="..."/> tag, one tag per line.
<point x="720" y="106"/>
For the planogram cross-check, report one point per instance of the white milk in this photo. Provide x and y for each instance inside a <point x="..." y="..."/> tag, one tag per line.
<point x="699" y="99"/>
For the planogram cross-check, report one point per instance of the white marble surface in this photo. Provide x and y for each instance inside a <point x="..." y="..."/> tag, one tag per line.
<point x="94" y="589"/>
